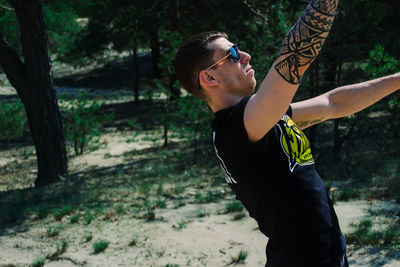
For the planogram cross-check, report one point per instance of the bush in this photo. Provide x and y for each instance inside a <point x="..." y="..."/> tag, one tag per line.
<point x="100" y="246"/>
<point x="53" y="231"/>
<point x="61" y="212"/>
<point x="12" y="119"/>
<point x="234" y="206"/>
<point x="81" y="120"/>
<point x="240" y="258"/>
<point x="74" y="218"/>
<point x="38" y="262"/>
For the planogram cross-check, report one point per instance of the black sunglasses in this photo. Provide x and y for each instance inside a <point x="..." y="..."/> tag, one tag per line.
<point x="233" y="52"/>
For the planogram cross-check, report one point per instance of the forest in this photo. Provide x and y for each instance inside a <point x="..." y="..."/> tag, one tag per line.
<point x="106" y="160"/>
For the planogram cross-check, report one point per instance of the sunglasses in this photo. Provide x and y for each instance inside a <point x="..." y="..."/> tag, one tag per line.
<point x="233" y="52"/>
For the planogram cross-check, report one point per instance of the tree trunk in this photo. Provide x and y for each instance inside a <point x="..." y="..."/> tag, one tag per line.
<point x="313" y="83"/>
<point x="155" y="51"/>
<point x="34" y="84"/>
<point x="338" y="140"/>
<point x="135" y="69"/>
<point x="174" y="19"/>
<point x="175" y="15"/>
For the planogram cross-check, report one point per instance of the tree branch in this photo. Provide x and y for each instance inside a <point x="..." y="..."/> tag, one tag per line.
<point x="12" y="65"/>
<point x="253" y="9"/>
<point x="7" y="8"/>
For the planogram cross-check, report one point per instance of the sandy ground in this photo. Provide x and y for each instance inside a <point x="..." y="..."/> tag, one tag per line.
<point x="209" y="241"/>
<point x="178" y="236"/>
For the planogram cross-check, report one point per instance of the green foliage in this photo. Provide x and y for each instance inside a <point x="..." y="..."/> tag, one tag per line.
<point x="347" y="194"/>
<point x="53" y="230"/>
<point x="364" y="234"/>
<point x="62" y="247"/>
<point x="149" y="214"/>
<point x="43" y="211"/>
<point x="61" y="212"/>
<point x="160" y="203"/>
<point x="12" y="119"/>
<point x="240" y="258"/>
<point x="202" y="213"/>
<point x="87" y="236"/>
<point x="38" y="262"/>
<point x="100" y="246"/>
<point x="119" y="208"/>
<point x="205" y="197"/>
<point x="74" y="218"/>
<point x="181" y="224"/>
<point x="234" y="206"/>
<point x="88" y="217"/>
<point x="82" y="120"/>
<point x="62" y="27"/>
<point x="381" y="63"/>
<point x="9" y="27"/>
<point x="238" y="216"/>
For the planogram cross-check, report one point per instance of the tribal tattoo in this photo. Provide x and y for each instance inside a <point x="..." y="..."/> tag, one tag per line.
<point x="304" y="41"/>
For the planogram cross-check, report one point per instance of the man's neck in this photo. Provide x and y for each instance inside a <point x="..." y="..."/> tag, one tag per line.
<point x="219" y="103"/>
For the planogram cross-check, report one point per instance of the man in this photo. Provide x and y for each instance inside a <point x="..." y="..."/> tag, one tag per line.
<point x="258" y="139"/>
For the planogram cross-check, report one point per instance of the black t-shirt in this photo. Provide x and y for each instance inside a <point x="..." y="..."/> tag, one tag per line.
<point x="276" y="181"/>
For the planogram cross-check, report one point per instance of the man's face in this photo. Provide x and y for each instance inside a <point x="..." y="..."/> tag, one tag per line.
<point x="237" y="78"/>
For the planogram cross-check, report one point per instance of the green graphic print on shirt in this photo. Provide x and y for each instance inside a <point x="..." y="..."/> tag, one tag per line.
<point x="294" y="143"/>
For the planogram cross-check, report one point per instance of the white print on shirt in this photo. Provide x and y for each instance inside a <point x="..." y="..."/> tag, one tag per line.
<point x="228" y="176"/>
<point x="294" y="143"/>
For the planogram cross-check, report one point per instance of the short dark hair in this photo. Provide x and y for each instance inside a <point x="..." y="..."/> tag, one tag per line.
<point x="193" y="56"/>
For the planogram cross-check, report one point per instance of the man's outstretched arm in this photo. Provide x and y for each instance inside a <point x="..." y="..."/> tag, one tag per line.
<point x="343" y="101"/>
<point x="300" y="47"/>
<point x="304" y="41"/>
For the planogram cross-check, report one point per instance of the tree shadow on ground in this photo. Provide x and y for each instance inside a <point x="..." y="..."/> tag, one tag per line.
<point x="18" y="205"/>
<point x="90" y="188"/>
<point x="377" y="256"/>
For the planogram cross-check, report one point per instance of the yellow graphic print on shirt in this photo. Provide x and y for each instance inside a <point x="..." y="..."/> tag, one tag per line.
<point x="294" y="143"/>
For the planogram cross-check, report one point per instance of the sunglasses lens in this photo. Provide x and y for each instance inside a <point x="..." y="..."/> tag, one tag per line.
<point x="235" y="53"/>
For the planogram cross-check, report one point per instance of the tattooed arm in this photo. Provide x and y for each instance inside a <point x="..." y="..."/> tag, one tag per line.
<point x="300" y="47"/>
<point x="304" y="41"/>
<point x="343" y="101"/>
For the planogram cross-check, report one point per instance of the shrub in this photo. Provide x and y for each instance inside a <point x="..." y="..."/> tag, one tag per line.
<point x="38" y="262"/>
<point x="149" y="215"/>
<point x="234" y="206"/>
<point x="88" y="217"/>
<point x="62" y="247"/>
<point x="347" y="194"/>
<point x="87" y="236"/>
<point x="61" y="212"/>
<point x="238" y="216"/>
<point x="205" y="198"/>
<point x="53" y="230"/>
<point x="240" y="258"/>
<point x="100" y="246"/>
<point x="81" y="120"/>
<point x="74" y="218"/>
<point x="43" y="211"/>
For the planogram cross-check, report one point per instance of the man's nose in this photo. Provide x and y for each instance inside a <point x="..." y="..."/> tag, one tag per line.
<point x="244" y="57"/>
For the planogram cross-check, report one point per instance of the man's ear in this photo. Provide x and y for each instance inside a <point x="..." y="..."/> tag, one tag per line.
<point x="207" y="79"/>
